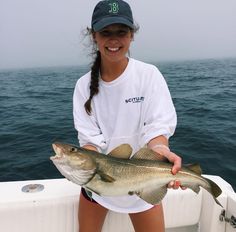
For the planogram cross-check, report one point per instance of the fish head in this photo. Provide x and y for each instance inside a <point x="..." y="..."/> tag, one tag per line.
<point x="73" y="162"/>
<point x="74" y="156"/>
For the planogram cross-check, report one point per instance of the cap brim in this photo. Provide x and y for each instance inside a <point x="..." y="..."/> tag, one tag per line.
<point x="111" y="20"/>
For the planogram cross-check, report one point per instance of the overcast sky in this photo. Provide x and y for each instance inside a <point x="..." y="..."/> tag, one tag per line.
<point x="48" y="32"/>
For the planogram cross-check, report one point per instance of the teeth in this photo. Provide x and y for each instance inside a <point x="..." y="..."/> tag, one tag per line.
<point x="113" y="49"/>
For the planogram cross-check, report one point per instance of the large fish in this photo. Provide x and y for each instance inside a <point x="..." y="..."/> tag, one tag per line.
<point x="116" y="174"/>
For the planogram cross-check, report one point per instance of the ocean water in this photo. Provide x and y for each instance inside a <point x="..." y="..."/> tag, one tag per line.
<point x="36" y="110"/>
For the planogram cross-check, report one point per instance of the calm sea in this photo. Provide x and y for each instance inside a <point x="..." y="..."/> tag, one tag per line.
<point x="36" y="110"/>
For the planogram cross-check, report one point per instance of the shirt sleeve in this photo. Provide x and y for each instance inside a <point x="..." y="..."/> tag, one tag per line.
<point x="86" y="125"/>
<point x="159" y="115"/>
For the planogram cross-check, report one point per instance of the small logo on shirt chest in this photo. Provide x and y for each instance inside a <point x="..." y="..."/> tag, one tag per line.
<point x="134" y="100"/>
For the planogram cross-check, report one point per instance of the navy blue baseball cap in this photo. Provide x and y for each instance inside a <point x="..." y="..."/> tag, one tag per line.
<point x="109" y="12"/>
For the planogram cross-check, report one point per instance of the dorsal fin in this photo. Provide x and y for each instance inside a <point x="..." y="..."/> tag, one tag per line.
<point x="148" y="154"/>
<point x="195" y="168"/>
<point x="123" y="151"/>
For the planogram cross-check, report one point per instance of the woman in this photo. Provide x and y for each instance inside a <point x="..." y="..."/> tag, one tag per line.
<point x="122" y="100"/>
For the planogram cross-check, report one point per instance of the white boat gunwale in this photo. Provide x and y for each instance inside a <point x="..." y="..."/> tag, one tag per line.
<point x="55" y="208"/>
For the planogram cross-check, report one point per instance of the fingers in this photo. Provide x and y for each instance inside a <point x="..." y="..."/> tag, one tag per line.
<point x="176" y="160"/>
<point x="175" y="185"/>
<point x="177" y="164"/>
<point x="172" y="157"/>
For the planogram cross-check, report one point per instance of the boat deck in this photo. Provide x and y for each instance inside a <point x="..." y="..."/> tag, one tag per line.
<point x="55" y="208"/>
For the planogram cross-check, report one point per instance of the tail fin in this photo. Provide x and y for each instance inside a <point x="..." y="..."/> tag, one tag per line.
<point x="215" y="190"/>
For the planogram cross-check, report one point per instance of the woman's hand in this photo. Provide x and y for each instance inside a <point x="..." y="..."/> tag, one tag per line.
<point x="172" y="158"/>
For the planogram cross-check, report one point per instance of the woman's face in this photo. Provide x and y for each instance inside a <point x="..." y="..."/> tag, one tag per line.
<point x="113" y="42"/>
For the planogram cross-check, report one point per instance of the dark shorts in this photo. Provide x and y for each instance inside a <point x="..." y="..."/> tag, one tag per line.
<point x="85" y="195"/>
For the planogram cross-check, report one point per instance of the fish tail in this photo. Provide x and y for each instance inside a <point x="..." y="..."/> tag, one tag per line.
<point x="215" y="190"/>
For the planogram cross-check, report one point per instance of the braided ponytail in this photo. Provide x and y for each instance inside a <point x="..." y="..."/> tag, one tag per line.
<point x="94" y="84"/>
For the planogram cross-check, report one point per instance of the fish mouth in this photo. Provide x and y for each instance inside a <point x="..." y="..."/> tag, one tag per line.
<point x="55" y="157"/>
<point x="59" y="152"/>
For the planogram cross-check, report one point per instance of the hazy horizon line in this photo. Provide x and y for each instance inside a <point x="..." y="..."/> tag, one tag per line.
<point x="90" y="63"/>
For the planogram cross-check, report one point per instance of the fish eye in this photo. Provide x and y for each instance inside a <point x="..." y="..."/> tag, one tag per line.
<point x="73" y="149"/>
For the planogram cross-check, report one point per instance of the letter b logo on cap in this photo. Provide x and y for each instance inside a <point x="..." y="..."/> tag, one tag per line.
<point x="114" y="7"/>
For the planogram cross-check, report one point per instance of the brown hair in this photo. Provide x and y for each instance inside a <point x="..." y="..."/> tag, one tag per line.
<point x="94" y="84"/>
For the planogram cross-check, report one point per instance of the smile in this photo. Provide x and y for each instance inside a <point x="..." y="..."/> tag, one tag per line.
<point x="113" y="49"/>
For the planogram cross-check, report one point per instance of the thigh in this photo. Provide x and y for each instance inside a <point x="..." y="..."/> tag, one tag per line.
<point x="91" y="215"/>
<point x="151" y="220"/>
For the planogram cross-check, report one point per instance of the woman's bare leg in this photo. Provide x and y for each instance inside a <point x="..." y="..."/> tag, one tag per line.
<point x="91" y="215"/>
<point x="151" y="220"/>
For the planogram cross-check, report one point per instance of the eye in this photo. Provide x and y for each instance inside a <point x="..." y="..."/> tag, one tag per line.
<point x="122" y="33"/>
<point x="105" y="33"/>
<point x="73" y="149"/>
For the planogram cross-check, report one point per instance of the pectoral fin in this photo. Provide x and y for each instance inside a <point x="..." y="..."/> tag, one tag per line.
<point x="123" y="151"/>
<point x="104" y="177"/>
<point x="153" y="196"/>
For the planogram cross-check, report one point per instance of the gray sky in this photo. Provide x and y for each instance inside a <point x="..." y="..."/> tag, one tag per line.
<point x="48" y="32"/>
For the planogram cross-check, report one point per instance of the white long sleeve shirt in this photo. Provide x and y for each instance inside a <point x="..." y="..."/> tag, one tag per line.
<point x="134" y="108"/>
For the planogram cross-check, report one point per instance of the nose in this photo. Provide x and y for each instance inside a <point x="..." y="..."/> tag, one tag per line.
<point x="113" y="41"/>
